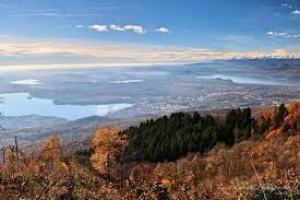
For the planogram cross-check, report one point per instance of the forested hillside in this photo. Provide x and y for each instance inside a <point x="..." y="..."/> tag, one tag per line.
<point x="235" y="156"/>
<point x="171" y="137"/>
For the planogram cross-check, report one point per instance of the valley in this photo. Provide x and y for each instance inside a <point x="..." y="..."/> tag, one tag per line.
<point x="120" y="95"/>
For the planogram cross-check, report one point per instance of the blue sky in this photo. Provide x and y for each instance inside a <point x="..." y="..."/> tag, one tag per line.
<point x="135" y="32"/>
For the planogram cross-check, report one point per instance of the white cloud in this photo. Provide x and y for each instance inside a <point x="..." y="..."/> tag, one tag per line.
<point x="99" y="28"/>
<point x="134" y="28"/>
<point x="162" y="30"/>
<point x="282" y="34"/>
<point x="296" y="12"/>
<point x="116" y="27"/>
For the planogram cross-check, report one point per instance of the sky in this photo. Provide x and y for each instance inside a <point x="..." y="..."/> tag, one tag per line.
<point x="40" y="34"/>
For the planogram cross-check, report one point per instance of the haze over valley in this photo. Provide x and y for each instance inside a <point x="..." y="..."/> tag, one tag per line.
<point x="55" y="98"/>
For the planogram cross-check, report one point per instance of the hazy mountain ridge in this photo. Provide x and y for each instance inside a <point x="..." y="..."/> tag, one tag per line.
<point x="36" y="128"/>
<point x="30" y="121"/>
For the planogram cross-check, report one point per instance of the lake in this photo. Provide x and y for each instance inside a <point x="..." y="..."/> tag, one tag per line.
<point x="22" y="104"/>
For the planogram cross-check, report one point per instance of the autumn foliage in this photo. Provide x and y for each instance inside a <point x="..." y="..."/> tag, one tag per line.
<point x="107" y="147"/>
<point x="260" y="162"/>
<point x="289" y="121"/>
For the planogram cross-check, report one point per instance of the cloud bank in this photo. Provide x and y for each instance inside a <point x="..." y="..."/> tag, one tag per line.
<point x="28" y="54"/>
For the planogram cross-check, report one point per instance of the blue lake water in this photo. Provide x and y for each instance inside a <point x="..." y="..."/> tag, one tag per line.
<point x="21" y="104"/>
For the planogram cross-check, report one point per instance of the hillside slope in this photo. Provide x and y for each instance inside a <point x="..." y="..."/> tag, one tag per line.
<point x="257" y="164"/>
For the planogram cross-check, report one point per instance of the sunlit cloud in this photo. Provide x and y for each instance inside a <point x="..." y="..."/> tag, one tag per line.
<point x="116" y="27"/>
<point x="280" y="34"/>
<point x="99" y="28"/>
<point x="163" y="30"/>
<point x="134" y="28"/>
<point x="296" y="12"/>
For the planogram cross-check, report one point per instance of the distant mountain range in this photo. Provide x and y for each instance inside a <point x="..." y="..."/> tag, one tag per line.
<point x="256" y="61"/>
<point x="35" y="128"/>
